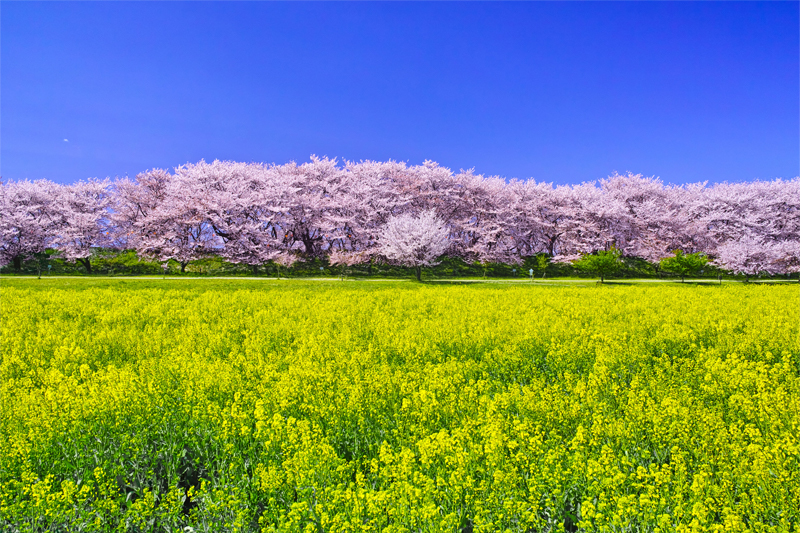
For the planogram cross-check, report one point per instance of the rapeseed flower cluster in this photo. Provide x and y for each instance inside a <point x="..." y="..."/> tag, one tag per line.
<point x="278" y="407"/>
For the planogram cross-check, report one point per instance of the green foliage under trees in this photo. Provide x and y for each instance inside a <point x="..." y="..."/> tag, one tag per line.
<point x="603" y="263"/>
<point x="684" y="264"/>
<point x="110" y="262"/>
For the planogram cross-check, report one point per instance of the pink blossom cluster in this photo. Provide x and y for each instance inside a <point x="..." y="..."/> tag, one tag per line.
<point x="390" y="211"/>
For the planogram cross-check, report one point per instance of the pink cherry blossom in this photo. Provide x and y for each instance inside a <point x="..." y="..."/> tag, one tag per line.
<point x="84" y="223"/>
<point x="414" y="240"/>
<point x="28" y="219"/>
<point x="254" y="213"/>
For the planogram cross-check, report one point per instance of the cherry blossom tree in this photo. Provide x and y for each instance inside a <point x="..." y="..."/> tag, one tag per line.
<point x="241" y="204"/>
<point x="306" y="219"/>
<point x="601" y="222"/>
<point x="480" y="227"/>
<point x="284" y="259"/>
<point x="545" y="218"/>
<point x="160" y="217"/>
<point x="779" y="223"/>
<point x="788" y="259"/>
<point x="414" y="240"/>
<point x="346" y="259"/>
<point x="751" y="257"/>
<point x="751" y="227"/>
<point x="252" y="213"/>
<point x="84" y="223"/>
<point x="428" y="187"/>
<point x="362" y="204"/>
<point x="522" y="225"/>
<point x="28" y="219"/>
<point x="649" y="222"/>
<point x="133" y="206"/>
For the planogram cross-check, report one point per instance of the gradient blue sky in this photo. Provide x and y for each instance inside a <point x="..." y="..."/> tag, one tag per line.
<point x="563" y="92"/>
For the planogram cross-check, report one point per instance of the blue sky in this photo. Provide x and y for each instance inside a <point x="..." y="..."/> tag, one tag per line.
<point x="562" y="92"/>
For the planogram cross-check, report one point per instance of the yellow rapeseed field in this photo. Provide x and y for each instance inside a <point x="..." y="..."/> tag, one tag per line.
<point x="398" y="407"/>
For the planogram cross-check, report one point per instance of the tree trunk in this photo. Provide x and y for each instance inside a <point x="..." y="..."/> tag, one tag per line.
<point x="86" y="264"/>
<point x="183" y="266"/>
<point x="551" y="245"/>
<point x="682" y="280"/>
<point x="418" y="272"/>
<point x="255" y="270"/>
<point x="602" y="278"/>
<point x="17" y="263"/>
<point x="309" y="244"/>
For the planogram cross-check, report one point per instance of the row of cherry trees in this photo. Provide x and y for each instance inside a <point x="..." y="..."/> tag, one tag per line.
<point x="390" y="211"/>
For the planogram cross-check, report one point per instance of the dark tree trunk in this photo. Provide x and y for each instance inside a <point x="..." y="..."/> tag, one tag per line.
<point x="17" y="263"/>
<point x="86" y="264"/>
<point x="551" y="245"/>
<point x="418" y="272"/>
<point x="309" y="245"/>
<point x="255" y="270"/>
<point x="183" y="266"/>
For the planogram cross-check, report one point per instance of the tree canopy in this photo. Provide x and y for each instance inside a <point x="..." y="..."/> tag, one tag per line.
<point x="252" y="213"/>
